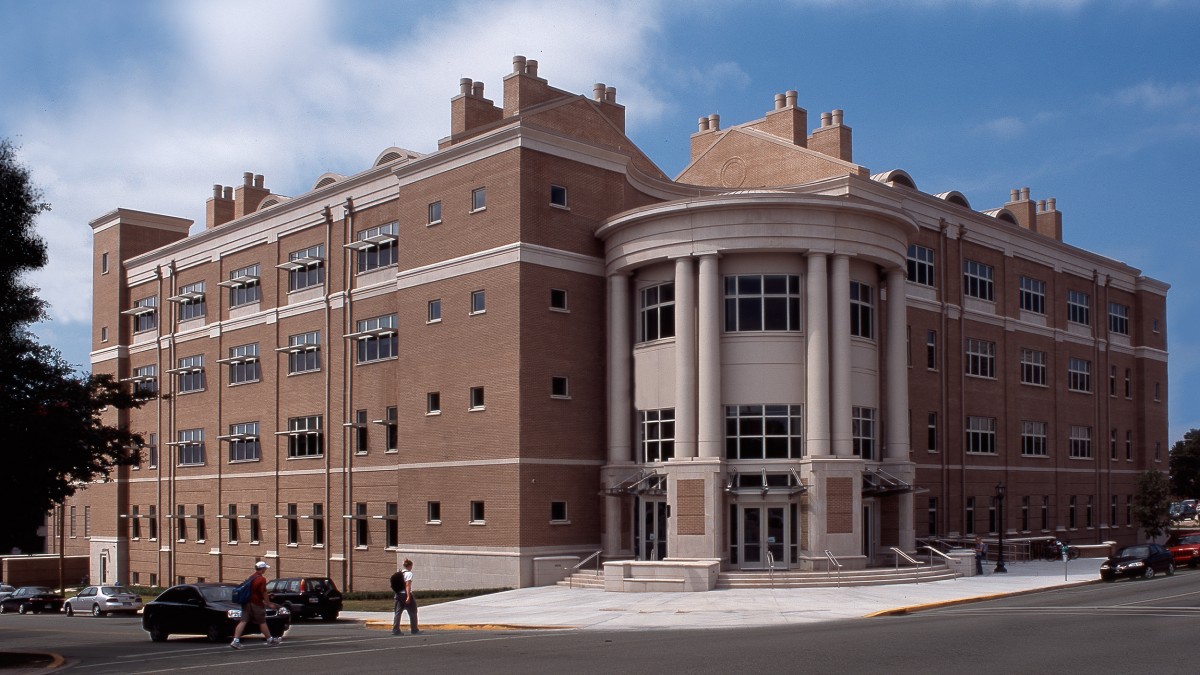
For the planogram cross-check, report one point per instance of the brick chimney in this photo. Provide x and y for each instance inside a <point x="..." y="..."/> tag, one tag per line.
<point x="787" y="121"/>
<point x="606" y="98"/>
<point x="832" y="137"/>
<point x="470" y="110"/>
<point x="706" y="134"/>
<point x="248" y="195"/>
<point x="219" y="208"/>
<point x="1041" y="216"/>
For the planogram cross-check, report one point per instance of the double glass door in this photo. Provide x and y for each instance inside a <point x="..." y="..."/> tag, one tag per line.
<point x="760" y="535"/>
<point x="650" y="529"/>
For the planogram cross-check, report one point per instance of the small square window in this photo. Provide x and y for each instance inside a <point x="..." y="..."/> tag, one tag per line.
<point x="433" y="403"/>
<point x="558" y="196"/>
<point x="478" y="199"/>
<point x="435" y="213"/>
<point x="433" y="512"/>
<point x="435" y="311"/>
<point x="558" y="512"/>
<point x="478" y="302"/>
<point x="477" y="512"/>
<point x="558" y="299"/>
<point x="558" y="387"/>
<point x="476" y="398"/>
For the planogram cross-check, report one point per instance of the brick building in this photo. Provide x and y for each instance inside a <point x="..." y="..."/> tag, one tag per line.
<point x="532" y="343"/>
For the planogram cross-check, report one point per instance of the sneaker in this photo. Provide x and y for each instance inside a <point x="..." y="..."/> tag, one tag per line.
<point x="274" y="642"/>
<point x="396" y="632"/>
<point x="415" y="631"/>
<point x="236" y="644"/>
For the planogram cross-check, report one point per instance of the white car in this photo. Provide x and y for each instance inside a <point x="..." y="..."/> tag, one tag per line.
<point x="103" y="600"/>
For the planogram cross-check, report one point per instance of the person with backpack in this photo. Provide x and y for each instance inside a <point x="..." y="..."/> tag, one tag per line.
<point x="255" y="609"/>
<point x="402" y="586"/>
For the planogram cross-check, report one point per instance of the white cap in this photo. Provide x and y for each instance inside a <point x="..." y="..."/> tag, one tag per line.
<point x="261" y="565"/>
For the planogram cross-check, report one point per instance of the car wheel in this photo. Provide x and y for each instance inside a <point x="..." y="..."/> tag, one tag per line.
<point x="1149" y="573"/>
<point x="329" y="616"/>
<point x="22" y="608"/>
<point x="69" y="610"/>
<point x="1170" y="568"/>
<point x="216" y="633"/>
<point x="157" y="634"/>
<point x="1193" y="562"/>
<point x="96" y="611"/>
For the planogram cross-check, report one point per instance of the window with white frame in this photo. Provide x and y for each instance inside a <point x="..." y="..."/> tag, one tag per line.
<point x="558" y="512"/>
<point x="657" y="434"/>
<point x="1033" y="438"/>
<point x="377" y="247"/>
<point x="1118" y="318"/>
<point x="1080" y="442"/>
<point x="304" y="352"/>
<point x="1033" y="295"/>
<point x="190" y="373"/>
<point x="377" y="339"/>
<point x="190" y="447"/>
<point x="104" y="263"/>
<point x="1079" y="375"/>
<point x="981" y="435"/>
<point x="243" y="364"/>
<point x="980" y="358"/>
<point x="1033" y="367"/>
<point x="434" y="215"/>
<point x="244" y="443"/>
<point x="920" y="265"/>
<point x="244" y="286"/>
<point x="771" y="431"/>
<point x="201" y="528"/>
<point x="478" y="199"/>
<point x="558" y="299"/>
<point x="361" y="433"/>
<point x="476" y="398"/>
<point x="433" y="403"/>
<point x="391" y="517"/>
<point x="977" y="280"/>
<point x="762" y="302"/>
<point x="145" y="314"/>
<point x="862" y="310"/>
<point x="152" y="451"/>
<point x="1079" y="307"/>
<point x="657" y="312"/>
<point x="862" y="431"/>
<point x="558" y="196"/>
<point x="478" y="302"/>
<point x="558" y="387"/>
<point x="391" y="430"/>
<point x="191" y="301"/>
<point x="145" y="380"/>
<point x="433" y="311"/>
<point x="478" y="513"/>
<point x="306" y="268"/>
<point x="433" y="512"/>
<point x="293" y="525"/>
<point x="304" y="437"/>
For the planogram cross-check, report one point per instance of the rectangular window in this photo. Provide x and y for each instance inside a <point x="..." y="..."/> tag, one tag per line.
<point x="1079" y="306"/>
<point x="558" y="512"/>
<point x="1112" y="444"/>
<point x="1033" y="295"/>
<point x="1079" y="375"/>
<point x="304" y="352"/>
<point x="1072" y="503"/>
<point x="392" y="519"/>
<point x="190" y="448"/>
<point x="1112" y="381"/>
<point x="1033" y="367"/>
<point x="391" y="426"/>
<point x="377" y="247"/>
<point x="145" y="314"/>
<point x="1128" y="445"/>
<point x="244" y="443"/>
<point x="478" y="199"/>
<point x="773" y="431"/>
<point x="152" y="450"/>
<point x="361" y="531"/>
<point x="232" y="520"/>
<point x="981" y="358"/>
<point x="104" y="333"/>
<point x="104" y="263"/>
<point x="243" y="364"/>
<point x="1087" y="518"/>
<point x="977" y="280"/>
<point x="190" y="372"/>
<point x="478" y="302"/>
<point x="760" y="302"/>
<point x="477" y="513"/>
<point x="920" y="265"/>
<point x="201" y="527"/>
<point x="361" y="433"/>
<point x="931" y="350"/>
<point x="981" y="435"/>
<point x="1112" y="510"/>
<point x="377" y="339"/>
<point x="1080" y="442"/>
<point x="318" y="524"/>
<point x="558" y="387"/>
<point x="433" y="311"/>
<point x="862" y="310"/>
<point x="304" y="437"/>
<point x="1128" y="383"/>
<point x="435" y="213"/>
<point x="1118" y="318"/>
<point x="244" y="286"/>
<point x="931" y="443"/>
<point x="932" y="516"/>
<point x="87" y="521"/>
<point x="152" y="521"/>
<point x="657" y="312"/>
<point x="477" y="399"/>
<point x="180" y="522"/>
<point x="293" y="525"/>
<point x="969" y="516"/>
<point x="1024" y="514"/>
<point x="135" y="523"/>
<point x="1046" y="512"/>
<point x="433" y="512"/>
<point x="433" y="403"/>
<point x="558" y="196"/>
<point x="191" y="301"/>
<point x="255" y="525"/>
<point x="657" y="434"/>
<point x="862" y="431"/>
<point x="992" y="517"/>
<point x="1033" y="439"/>
<point x="306" y="268"/>
<point x="145" y="381"/>
<point x="558" y="299"/>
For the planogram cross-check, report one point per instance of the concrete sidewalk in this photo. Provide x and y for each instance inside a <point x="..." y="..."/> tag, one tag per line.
<point x="560" y="607"/>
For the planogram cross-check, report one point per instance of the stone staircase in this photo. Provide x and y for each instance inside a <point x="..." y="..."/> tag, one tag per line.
<point x="585" y="579"/>
<point x="874" y="576"/>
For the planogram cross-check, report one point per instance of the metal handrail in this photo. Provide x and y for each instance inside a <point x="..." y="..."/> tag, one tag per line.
<point x="571" y="577"/>
<point x="901" y="554"/>
<point x="951" y="562"/>
<point x="834" y="561"/>
<point x="771" y="567"/>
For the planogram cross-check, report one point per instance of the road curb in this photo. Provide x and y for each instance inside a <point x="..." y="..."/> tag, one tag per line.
<point x="379" y="624"/>
<point x="908" y="609"/>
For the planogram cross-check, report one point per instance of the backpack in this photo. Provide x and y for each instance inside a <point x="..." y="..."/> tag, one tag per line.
<point x="241" y="593"/>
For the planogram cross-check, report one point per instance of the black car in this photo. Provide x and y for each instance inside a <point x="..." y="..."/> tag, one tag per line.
<point x="203" y="609"/>
<point x="307" y="596"/>
<point x="1141" y="561"/>
<point x="34" y="599"/>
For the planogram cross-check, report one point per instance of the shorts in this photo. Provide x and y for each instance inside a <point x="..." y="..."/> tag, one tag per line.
<point x="254" y="614"/>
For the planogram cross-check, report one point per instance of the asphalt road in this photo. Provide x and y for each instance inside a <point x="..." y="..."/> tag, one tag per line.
<point x="1124" y="627"/>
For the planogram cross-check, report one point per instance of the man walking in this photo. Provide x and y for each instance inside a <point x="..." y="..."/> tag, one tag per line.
<point x="402" y="586"/>
<point x="256" y="609"/>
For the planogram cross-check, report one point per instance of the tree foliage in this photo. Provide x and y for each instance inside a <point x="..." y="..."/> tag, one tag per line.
<point x="1185" y="466"/>
<point x="1151" y="503"/>
<point x="55" y="439"/>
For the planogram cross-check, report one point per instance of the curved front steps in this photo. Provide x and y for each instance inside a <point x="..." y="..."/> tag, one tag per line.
<point x="873" y="576"/>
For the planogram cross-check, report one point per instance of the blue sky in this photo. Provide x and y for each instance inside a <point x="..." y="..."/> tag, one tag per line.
<point x="146" y="105"/>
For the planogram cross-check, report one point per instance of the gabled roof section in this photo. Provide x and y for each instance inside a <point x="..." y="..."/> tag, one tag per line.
<point x="745" y="158"/>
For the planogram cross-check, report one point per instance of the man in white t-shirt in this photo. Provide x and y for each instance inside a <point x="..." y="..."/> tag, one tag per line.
<point x="402" y="586"/>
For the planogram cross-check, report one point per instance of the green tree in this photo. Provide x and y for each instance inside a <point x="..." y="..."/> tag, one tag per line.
<point x="1185" y="466"/>
<point x="1151" y="503"/>
<point x="55" y="440"/>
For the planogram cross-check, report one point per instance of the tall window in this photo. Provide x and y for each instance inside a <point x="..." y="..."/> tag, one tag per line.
<point x="658" y="312"/>
<point x="318" y="524"/>
<point x="977" y="280"/>
<point x="433" y="512"/>
<point x="932" y="517"/>
<point x="931" y="350"/>
<point x="377" y="339"/>
<point x="293" y="525"/>
<point x="434" y="215"/>
<point x="152" y="449"/>
<point x="478" y="199"/>
<point x="391" y="426"/>
<point x="1128" y="444"/>
<point x="981" y="435"/>
<point x="255" y="525"/>
<point x="862" y="431"/>
<point x="392" y="518"/>
<point x="478" y="302"/>
<point x="243" y="364"/>
<point x="361" y="433"/>
<point x="304" y="352"/>
<point x="1033" y="367"/>
<point x="1079" y="375"/>
<point x="360" y="525"/>
<point x="190" y="446"/>
<point x="244" y="443"/>
<point x="152" y="521"/>
<point x="1045" y="512"/>
<point x="658" y="434"/>
<point x="762" y="302"/>
<point x="764" y="431"/>
<point x="244" y="286"/>
<point x="304" y="437"/>
<point x="306" y="268"/>
<point x="1033" y="438"/>
<point x="862" y="310"/>
<point x="433" y="311"/>
<point x="377" y="247"/>
<point x="181" y="522"/>
<point x="931" y="432"/>
<point x="145" y="314"/>
<point x="1024" y="514"/>
<point x="1079" y="307"/>
<point x="201" y="527"/>
<point x="476" y="398"/>
<point x="135" y="523"/>
<point x="920" y="265"/>
<point x="191" y="373"/>
<point x="981" y="358"/>
<point x="1080" y="442"/>
<point x="191" y="301"/>
<point x="1072" y="503"/>
<point x="1033" y="295"/>
<point x="969" y="517"/>
<point x="433" y="403"/>
<point x="232" y="519"/>
<point x="1118" y="318"/>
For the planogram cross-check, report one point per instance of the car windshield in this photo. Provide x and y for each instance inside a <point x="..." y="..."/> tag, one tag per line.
<point x="217" y="593"/>
<point x="1134" y="552"/>
<point x="38" y="590"/>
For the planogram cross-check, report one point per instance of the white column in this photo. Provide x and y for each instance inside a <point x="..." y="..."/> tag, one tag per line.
<point x="685" y="359"/>
<point x="710" y="413"/>
<point x="839" y="355"/>
<point x="619" y="356"/>
<point x="897" y="365"/>
<point x="817" y="357"/>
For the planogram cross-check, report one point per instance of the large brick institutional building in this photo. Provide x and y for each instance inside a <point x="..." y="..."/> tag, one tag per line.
<point x="532" y="342"/>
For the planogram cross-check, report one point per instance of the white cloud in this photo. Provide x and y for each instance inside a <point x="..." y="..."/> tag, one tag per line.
<point x="1157" y="96"/>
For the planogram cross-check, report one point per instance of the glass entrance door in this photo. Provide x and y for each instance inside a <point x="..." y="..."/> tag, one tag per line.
<point x="763" y="536"/>
<point x="650" y="529"/>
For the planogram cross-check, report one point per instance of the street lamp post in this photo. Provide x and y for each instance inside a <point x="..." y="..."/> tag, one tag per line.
<point x="1000" y="568"/>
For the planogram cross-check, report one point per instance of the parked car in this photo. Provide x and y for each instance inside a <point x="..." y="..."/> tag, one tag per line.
<point x="1141" y="561"/>
<point x="103" y="600"/>
<point x="307" y="596"/>
<point x="1186" y="551"/>
<point x="203" y="609"/>
<point x="34" y="599"/>
<point x="6" y="590"/>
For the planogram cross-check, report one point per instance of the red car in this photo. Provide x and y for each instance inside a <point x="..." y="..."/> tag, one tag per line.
<point x="1187" y="550"/>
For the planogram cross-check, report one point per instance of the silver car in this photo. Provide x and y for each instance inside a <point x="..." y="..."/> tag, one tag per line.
<point x="103" y="600"/>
